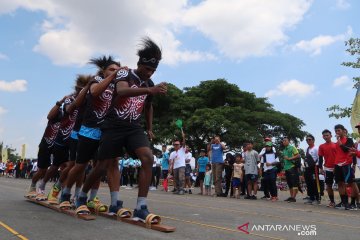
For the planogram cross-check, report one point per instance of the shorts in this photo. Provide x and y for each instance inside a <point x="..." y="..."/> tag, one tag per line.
<point x="44" y="156"/>
<point x="329" y="177"/>
<point x="208" y="187"/>
<point x="61" y="154"/>
<point x="344" y="174"/>
<point x="236" y="182"/>
<point x="292" y="177"/>
<point x="86" y="149"/>
<point x="201" y="176"/>
<point x="73" y="148"/>
<point x="128" y="136"/>
<point x="251" y="177"/>
<point x="187" y="170"/>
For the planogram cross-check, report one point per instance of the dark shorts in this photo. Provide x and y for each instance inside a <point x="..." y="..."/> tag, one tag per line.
<point x="329" y="177"/>
<point x="165" y="173"/>
<point x="73" y="148"/>
<point x="251" y="177"/>
<point x="201" y="176"/>
<point x="344" y="174"/>
<point x="61" y="155"/>
<point x="44" y="156"/>
<point x="86" y="149"/>
<point x="113" y="140"/>
<point x="236" y="182"/>
<point x="292" y="177"/>
<point x="188" y="170"/>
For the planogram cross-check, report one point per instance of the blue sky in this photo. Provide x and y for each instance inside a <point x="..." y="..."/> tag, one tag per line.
<point x="287" y="50"/>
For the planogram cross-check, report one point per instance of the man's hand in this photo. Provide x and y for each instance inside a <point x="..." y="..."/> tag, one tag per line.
<point x="160" y="88"/>
<point x="150" y="135"/>
<point x="268" y="164"/>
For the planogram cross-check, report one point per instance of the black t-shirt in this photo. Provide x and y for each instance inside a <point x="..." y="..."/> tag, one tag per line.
<point x="128" y="109"/>
<point x="51" y="130"/>
<point x="67" y="122"/>
<point x="97" y="107"/>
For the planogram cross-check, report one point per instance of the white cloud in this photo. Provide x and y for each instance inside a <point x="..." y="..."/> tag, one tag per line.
<point x="292" y="88"/>
<point x="315" y="45"/>
<point x="342" y="4"/>
<point x="3" y="56"/>
<point x="343" y="81"/>
<point x="246" y="28"/>
<point x="14" y="86"/>
<point x="2" y="110"/>
<point x="73" y="31"/>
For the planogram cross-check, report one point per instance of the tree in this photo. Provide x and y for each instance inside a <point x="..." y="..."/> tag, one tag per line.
<point x="12" y="155"/>
<point x="216" y="107"/>
<point x="353" y="49"/>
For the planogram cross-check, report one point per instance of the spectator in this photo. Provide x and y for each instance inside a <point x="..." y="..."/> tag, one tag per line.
<point x="237" y="176"/>
<point x="291" y="154"/>
<point x="34" y="168"/>
<point x="208" y="180"/>
<point x="2" y="168"/>
<point x="177" y="158"/>
<point x="269" y="163"/>
<point x="228" y="165"/>
<point x="188" y="171"/>
<point x="217" y="148"/>
<point x="201" y="169"/>
<point x="251" y="159"/>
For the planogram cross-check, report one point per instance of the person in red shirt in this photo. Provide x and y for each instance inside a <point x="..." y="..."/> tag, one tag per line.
<point x="344" y="173"/>
<point x="327" y="152"/>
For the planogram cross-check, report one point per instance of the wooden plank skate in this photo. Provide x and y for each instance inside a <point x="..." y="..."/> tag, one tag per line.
<point x="154" y="226"/>
<point x="71" y="212"/>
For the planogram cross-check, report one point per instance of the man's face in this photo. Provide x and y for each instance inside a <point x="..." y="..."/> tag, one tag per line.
<point x="176" y="145"/>
<point x="110" y="69"/>
<point x="202" y="154"/>
<point x="164" y="148"/>
<point x="285" y="142"/>
<point x="217" y="140"/>
<point x="327" y="137"/>
<point x="145" y="72"/>
<point x="339" y="132"/>
<point x="309" y="141"/>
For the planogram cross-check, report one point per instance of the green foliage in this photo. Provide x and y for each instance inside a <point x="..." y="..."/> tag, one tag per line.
<point x="216" y="107"/>
<point x="353" y="49"/>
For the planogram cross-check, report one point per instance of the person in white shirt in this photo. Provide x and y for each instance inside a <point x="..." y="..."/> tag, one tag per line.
<point x="177" y="158"/>
<point x="188" y="170"/>
<point x="269" y="162"/>
<point x="311" y="173"/>
<point x="2" y="168"/>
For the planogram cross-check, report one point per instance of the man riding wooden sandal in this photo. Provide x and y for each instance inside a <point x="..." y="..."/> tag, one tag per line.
<point x="65" y="205"/>
<point x="145" y="216"/>
<point x="119" y="210"/>
<point x="96" y="205"/>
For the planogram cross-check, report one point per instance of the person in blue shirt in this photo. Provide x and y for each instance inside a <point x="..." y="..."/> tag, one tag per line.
<point x="217" y="149"/>
<point x="165" y="162"/>
<point x="131" y="170"/>
<point x="201" y="168"/>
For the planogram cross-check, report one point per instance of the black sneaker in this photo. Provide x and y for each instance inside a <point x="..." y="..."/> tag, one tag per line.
<point x="190" y="192"/>
<point x="347" y="206"/>
<point x="340" y="206"/>
<point x="264" y="197"/>
<point x="291" y="200"/>
<point x="352" y="207"/>
<point x="253" y="197"/>
<point x="247" y="197"/>
<point x="306" y="198"/>
<point x="286" y="200"/>
<point x="174" y="190"/>
<point x="308" y="201"/>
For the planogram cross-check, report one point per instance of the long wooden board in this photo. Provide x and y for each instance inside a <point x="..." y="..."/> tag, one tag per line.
<point x="56" y="207"/>
<point x="157" y="227"/>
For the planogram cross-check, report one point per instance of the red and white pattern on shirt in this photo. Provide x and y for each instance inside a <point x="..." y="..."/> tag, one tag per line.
<point x="50" y="132"/>
<point x="68" y="123"/>
<point x="102" y="104"/>
<point x="130" y="108"/>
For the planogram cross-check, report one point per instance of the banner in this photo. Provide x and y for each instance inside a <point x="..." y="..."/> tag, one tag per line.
<point x="4" y="155"/>
<point x="23" y="149"/>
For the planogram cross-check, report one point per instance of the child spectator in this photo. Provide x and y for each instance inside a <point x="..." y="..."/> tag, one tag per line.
<point x="237" y="176"/>
<point x="207" y="180"/>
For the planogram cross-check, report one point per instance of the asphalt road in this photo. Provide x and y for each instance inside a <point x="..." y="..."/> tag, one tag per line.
<point x="194" y="216"/>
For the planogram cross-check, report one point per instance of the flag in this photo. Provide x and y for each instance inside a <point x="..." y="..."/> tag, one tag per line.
<point x="23" y="149"/>
<point x="4" y="155"/>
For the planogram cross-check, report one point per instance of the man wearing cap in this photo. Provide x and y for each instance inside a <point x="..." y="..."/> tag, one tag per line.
<point x="264" y="186"/>
<point x="269" y="162"/>
<point x="201" y="167"/>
